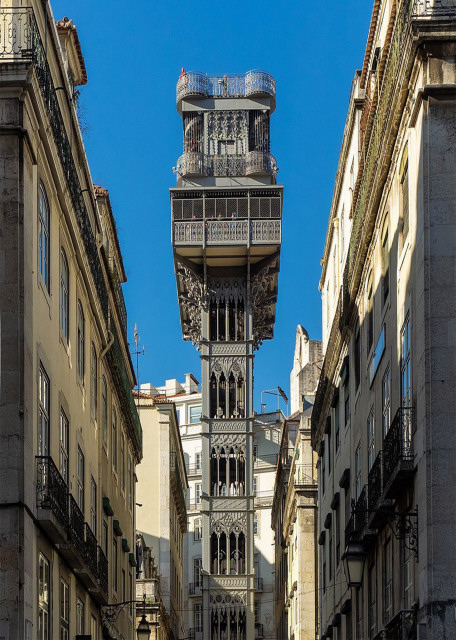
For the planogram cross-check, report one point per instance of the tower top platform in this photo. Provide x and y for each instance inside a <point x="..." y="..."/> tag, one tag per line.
<point x="194" y="85"/>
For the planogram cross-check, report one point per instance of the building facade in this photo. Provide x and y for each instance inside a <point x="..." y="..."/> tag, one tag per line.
<point x="162" y="515"/>
<point x="70" y="434"/>
<point x="383" y="420"/>
<point x="267" y="432"/>
<point x="226" y="234"/>
<point x="294" y="510"/>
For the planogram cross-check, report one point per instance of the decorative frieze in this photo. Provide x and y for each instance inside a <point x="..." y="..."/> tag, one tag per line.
<point x="192" y="301"/>
<point x="228" y="349"/>
<point x="232" y="440"/>
<point x="228" y="365"/>
<point x="228" y="522"/>
<point x="230" y="426"/>
<point x="228" y="504"/>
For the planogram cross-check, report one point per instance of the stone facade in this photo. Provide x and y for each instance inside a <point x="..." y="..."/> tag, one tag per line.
<point x="383" y="421"/>
<point x="70" y="434"/>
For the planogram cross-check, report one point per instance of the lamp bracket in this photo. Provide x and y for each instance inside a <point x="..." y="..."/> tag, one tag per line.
<point x="110" y="612"/>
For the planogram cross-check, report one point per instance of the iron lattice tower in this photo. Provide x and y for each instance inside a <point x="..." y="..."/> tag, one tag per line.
<point x="226" y="233"/>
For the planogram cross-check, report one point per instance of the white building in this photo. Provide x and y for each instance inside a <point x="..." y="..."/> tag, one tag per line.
<point x="266" y="442"/>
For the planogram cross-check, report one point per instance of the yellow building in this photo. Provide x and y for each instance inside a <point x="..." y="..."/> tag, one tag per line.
<point x="70" y="435"/>
<point x="162" y="516"/>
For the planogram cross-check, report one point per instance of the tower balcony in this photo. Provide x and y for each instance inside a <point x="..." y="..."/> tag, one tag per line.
<point x="253" y="84"/>
<point x="252" y="163"/>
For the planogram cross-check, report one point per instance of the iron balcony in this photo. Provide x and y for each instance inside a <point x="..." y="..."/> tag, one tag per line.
<point x="252" y="163"/>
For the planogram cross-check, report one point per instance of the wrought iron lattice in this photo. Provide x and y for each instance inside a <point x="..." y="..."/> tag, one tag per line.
<point x="231" y="86"/>
<point x="402" y="626"/>
<point x="375" y="484"/>
<point x="91" y="549"/>
<point x="76" y="526"/>
<point x="103" y="571"/>
<point x="51" y="489"/>
<point x="398" y="445"/>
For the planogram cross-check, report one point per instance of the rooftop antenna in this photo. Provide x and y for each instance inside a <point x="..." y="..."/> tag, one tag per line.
<point x="138" y="352"/>
<point x="279" y="393"/>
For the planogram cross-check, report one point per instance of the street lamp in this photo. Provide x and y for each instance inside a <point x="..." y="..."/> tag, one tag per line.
<point x="354" y="559"/>
<point x="143" y="630"/>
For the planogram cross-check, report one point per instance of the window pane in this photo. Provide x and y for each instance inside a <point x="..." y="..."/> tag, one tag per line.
<point x="64" y="294"/>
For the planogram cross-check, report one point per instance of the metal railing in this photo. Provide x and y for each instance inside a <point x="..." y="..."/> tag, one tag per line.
<point x="51" y="489"/>
<point x="195" y="633"/>
<point x="263" y="498"/>
<point x="103" y="571"/>
<point x="194" y="469"/>
<point x="195" y="506"/>
<point x="226" y="206"/>
<point x="435" y="8"/>
<point x="401" y="626"/>
<point x="252" y="83"/>
<point x="76" y="526"/>
<point x="195" y="588"/>
<point x="118" y="294"/>
<point x="91" y="549"/>
<point x="250" y="163"/>
<point x="375" y="484"/>
<point x="268" y="460"/>
<point x="397" y="446"/>
<point x="218" y="232"/>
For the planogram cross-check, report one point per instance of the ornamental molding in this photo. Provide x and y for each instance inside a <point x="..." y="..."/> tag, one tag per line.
<point x="261" y="304"/>
<point x="227" y="289"/>
<point x="227" y="505"/>
<point x="219" y="440"/>
<point x="221" y="598"/>
<point x="192" y="301"/>
<point x="228" y="349"/>
<point x="228" y="365"/>
<point x="228" y="522"/>
<point x="228" y="426"/>
<point x="227" y="125"/>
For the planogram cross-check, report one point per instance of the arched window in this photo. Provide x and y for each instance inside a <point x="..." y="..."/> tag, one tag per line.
<point x="197" y="529"/>
<point x="114" y="439"/>
<point x="104" y="410"/>
<point x="219" y="553"/>
<point x="227" y="468"/>
<point x="93" y="381"/>
<point x="44" y="236"/>
<point x="64" y="294"/>
<point x="81" y="343"/>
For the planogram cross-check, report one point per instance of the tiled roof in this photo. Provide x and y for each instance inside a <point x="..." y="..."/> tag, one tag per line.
<point x="67" y="24"/>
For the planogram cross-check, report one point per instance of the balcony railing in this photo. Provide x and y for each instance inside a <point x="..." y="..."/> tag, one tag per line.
<point x="103" y="571"/>
<point x="264" y="498"/>
<point x="398" y="446"/>
<point x="195" y="588"/>
<point x="91" y="550"/>
<point x="268" y="460"/>
<point x="194" y="470"/>
<point x="195" y="633"/>
<point x="219" y="232"/>
<point x="435" y="8"/>
<point x="76" y="526"/>
<point x="361" y="511"/>
<point x="401" y="626"/>
<point x="375" y="484"/>
<point x="51" y="489"/>
<point x="253" y="83"/>
<point x="248" y="164"/>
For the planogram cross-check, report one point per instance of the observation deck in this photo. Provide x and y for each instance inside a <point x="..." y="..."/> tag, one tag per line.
<point x="252" y="84"/>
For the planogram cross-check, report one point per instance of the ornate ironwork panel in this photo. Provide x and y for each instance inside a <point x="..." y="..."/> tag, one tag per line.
<point x="222" y="231"/>
<point x="375" y="484"/>
<point x="76" y="526"/>
<point x="402" y="626"/>
<point x="91" y="549"/>
<point x="397" y="446"/>
<point x="188" y="233"/>
<point x="265" y="231"/>
<point x="51" y="489"/>
<point x="199" y="84"/>
<point x="103" y="571"/>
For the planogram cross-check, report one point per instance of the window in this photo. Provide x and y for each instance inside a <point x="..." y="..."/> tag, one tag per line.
<point x="323" y="565"/>
<point x="64" y="294"/>
<point x="124" y="595"/>
<point x="372" y="601"/>
<point x="80" y="617"/>
<point x="80" y="479"/>
<point x="43" y="598"/>
<point x="359" y="615"/>
<point x="358" y="483"/>
<point x="336" y="427"/>
<point x="257" y="611"/>
<point x="198" y="493"/>
<point x="197" y="529"/>
<point x="385" y="263"/>
<point x="370" y="438"/>
<point x="342" y="231"/>
<point x="104" y="411"/>
<point x="93" y="381"/>
<point x="323" y="472"/>
<point x="198" y="460"/>
<point x="330" y="553"/>
<point x="130" y="483"/>
<point x="255" y="453"/>
<point x="198" y="617"/>
<point x="44" y="237"/>
<point x="64" y="610"/>
<point x="329" y="454"/>
<point x="408" y="579"/>
<point x="255" y="485"/>
<point x="255" y="524"/>
<point x="93" y="506"/>
<point x="337" y="527"/>
<point x="357" y="360"/>
<point x="406" y="384"/>
<point x="387" y="581"/>
<point x="115" y="564"/>
<point x="195" y="414"/>
<point x="197" y="566"/>
<point x="64" y="438"/>
<point x="81" y="343"/>
<point x="122" y="462"/>
<point x="347" y="407"/>
<point x="386" y="401"/>
<point x="43" y="419"/>
<point x="114" y="439"/>
<point x="404" y="199"/>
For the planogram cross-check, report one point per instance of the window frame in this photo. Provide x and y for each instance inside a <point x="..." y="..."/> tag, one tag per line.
<point x="64" y="446"/>
<point x="44" y="238"/>
<point x="64" y="296"/>
<point x="80" y="478"/>
<point x="80" y="342"/>
<point x="64" y="610"/>
<point x="192" y="416"/>
<point x="104" y="412"/>
<point x="44" y="597"/>
<point x="44" y="418"/>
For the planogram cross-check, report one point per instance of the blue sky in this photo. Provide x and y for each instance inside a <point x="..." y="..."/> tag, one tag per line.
<point x="134" y="53"/>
